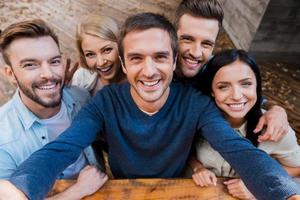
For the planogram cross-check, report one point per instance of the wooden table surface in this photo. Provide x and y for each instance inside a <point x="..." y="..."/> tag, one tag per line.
<point x="154" y="189"/>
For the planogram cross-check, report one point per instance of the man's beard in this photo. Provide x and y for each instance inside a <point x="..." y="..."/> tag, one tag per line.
<point x="34" y="97"/>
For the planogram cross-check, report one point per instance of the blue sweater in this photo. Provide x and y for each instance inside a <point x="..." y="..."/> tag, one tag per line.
<point x="152" y="146"/>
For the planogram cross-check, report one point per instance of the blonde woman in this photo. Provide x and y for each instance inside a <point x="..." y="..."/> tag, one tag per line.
<point x="96" y="40"/>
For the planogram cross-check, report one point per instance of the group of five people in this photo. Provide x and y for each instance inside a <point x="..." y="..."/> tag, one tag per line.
<point x="150" y="121"/>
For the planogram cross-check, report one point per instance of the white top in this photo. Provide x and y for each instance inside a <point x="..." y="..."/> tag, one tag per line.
<point x="286" y="151"/>
<point x="86" y="79"/>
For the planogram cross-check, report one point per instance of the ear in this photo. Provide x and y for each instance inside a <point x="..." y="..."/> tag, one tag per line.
<point x="123" y="66"/>
<point x="8" y="72"/>
<point x="212" y="94"/>
<point x="174" y="64"/>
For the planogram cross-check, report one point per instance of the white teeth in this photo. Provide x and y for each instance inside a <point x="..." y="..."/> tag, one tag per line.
<point x="192" y="61"/>
<point x="150" y="83"/>
<point x="236" y="105"/>
<point x="105" y="69"/>
<point x="47" y="87"/>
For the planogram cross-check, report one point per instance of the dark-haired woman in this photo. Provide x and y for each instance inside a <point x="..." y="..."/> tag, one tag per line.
<point x="233" y="80"/>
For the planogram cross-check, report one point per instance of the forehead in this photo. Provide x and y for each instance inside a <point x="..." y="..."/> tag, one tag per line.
<point x="147" y="41"/>
<point x="234" y="71"/>
<point x="40" y="48"/>
<point x="198" y="26"/>
<point x="94" y="42"/>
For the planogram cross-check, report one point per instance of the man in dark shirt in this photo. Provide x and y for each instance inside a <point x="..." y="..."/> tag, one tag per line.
<point x="150" y="124"/>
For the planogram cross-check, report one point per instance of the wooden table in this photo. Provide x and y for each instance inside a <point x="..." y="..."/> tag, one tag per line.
<point x="154" y="189"/>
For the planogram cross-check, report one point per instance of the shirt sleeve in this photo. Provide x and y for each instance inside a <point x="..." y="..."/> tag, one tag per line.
<point x="7" y="164"/>
<point x="252" y="164"/>
<point x="84" y="78"/>
<point x="286" y="151"/>
<point x="37" y="174"/>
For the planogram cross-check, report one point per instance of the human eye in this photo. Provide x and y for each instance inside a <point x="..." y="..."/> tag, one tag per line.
<point x="186" y="39"/>
<point x="89" y="55"/>
<point x="107" y="50"/>
<point x="161" y="57"/>
<point x="135" y="58"/>
<point x="56" y="61"/>
<point x="29" y="65"/>
<point x="247" y="83"/>
<point x="208" y="45"/>
<point x="222" y="87"/>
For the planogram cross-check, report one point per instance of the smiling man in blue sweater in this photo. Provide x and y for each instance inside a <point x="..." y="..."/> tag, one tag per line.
<point x="150" y="124"/>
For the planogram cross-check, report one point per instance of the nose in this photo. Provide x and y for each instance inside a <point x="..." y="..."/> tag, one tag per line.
<point x="100" y="60"/>
<point x="46" y="71"/>
<point x="237" y="93"/>
<point x="196" y="51"/>
<point x="149" y="67"/>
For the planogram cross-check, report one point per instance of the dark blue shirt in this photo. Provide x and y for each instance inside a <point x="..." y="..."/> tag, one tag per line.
<point x="152" y="146"/>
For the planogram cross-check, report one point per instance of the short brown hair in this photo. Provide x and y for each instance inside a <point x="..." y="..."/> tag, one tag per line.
<point x="144" y="21"/>
<point x="210" y="9"/>
<point x="25" y="29"/>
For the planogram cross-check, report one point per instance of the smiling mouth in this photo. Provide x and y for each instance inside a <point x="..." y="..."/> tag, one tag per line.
<point x="105" y="69"/>
<point x="192" y="62"/>
<point x="150" y="83"/>
<point x="47" y="86"/>
<point x="237" y="106"/>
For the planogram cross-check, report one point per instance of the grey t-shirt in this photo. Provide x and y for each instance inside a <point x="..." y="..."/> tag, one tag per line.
<point x="55" y="126"/>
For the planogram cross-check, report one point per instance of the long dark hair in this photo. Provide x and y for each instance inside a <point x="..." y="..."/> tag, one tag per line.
<point x="224" y="58"/>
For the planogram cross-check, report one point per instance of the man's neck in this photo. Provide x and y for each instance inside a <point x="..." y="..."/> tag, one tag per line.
<point x="147" y="107"/>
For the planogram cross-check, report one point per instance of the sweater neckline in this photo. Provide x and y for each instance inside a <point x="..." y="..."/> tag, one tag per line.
<point x="157" y="114"/>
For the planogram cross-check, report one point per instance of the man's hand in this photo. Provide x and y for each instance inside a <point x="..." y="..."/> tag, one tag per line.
<point x="89" y="181"/>
<point x="70" y="70"/>
<point x="9" y="192"/>
<point x="294" y="197"/>
<point x="276" y="122"/>
<point x="204" y="177"/>
<point x="237" y="188"/>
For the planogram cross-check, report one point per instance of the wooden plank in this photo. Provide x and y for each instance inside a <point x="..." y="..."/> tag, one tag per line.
<point x="153" y="189"/>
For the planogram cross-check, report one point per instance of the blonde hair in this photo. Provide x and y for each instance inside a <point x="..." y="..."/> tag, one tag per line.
<point x="101" y="26"/>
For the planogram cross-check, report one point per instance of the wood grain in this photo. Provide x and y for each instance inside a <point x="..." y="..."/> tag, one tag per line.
<point x="153" y="189"/>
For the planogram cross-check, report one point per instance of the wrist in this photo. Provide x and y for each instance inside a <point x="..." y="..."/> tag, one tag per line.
<point x="198" y="169"/>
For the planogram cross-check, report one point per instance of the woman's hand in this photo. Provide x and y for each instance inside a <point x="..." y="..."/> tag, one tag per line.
<point x="204" y="177"/>
<point x="237" y="188"/>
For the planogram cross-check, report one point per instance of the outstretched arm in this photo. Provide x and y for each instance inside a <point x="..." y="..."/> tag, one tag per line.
<point x="251" y="163"/>
<point x="37" y="174"/>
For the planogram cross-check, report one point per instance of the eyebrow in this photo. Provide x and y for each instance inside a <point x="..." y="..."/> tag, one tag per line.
<point x="184" y="36"/>
<point x="156" y="53"/>
<point x="133" y="54"/>
<point x="226" y="82"/>
<point x="165" y="53"/>
<point x="34" y="60"/>
<point x="105" y="46"/>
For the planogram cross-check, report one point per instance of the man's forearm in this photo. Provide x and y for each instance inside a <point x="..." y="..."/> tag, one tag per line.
<point x="9" y="192"/>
